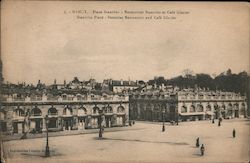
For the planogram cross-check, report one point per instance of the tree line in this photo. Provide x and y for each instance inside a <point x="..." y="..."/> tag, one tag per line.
<point x="226" y="81"/>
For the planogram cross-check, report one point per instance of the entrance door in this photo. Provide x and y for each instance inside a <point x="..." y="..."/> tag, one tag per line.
<point x="68" y="124"/>
<point x="108" y="122"/>
<point x="38" y="125"/>
<point x="236" y="113"/>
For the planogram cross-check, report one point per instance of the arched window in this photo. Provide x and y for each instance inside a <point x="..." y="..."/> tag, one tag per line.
<point x="36" y="112"/>
<point x="82" y="111"/>
<point x="52" y="111"/>
<point x="67" y="111"/>
<point x="79" y="97"/>
<point x="208" y="108"/>
<point x="192" y="108"/>
<point x="183" y="109"/>
<point x="64" y="97"/>
<point x="236" y="106"/>
<point x="200" y="108"/>
<point x="120" y="109"/>
<point x="108" y="109"/>
<point x="223" y="107"/>
<point x="19" y="113"/>
<point x="96" y="110"/>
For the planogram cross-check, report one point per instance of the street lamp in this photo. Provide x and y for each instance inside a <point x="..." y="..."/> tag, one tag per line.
<point x="177" y="120"/>
<point x="100" y="123"/>
<point x="163" y="120"/>
<point x="47" y="153"/>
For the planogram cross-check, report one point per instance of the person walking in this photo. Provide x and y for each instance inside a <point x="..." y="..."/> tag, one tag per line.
<point x="219" y="122"/>
<point x="202" y="149"/>
<point x="234" y="133"/>
<point x="213" y="120"/>
<point x="198" y="142"/>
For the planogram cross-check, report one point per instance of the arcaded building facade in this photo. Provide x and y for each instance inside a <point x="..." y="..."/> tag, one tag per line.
<point x="65" y="112"/>
<point x="153" y="107"/>
<point x="187" y="105"/>
<point x="202" y="105"/>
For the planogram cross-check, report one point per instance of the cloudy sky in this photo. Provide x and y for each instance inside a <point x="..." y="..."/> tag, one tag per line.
<point x="39" y="41"/>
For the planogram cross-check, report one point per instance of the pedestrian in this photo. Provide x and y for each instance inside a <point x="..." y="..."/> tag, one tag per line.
<point x="213" y="120"/>
<point x="234" y="133"/>
<point x="202" y="149"/>
<point x="219" y="123"/>
<point x="133" y="122"/>
<point x="197" y="142"/>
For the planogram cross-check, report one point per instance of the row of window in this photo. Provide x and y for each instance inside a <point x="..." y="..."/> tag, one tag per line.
<point x="67" y="111"/>
<point x="208" y="108"/>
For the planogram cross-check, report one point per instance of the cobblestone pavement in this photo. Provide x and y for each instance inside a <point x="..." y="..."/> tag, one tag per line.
<point x="142" y="142"/>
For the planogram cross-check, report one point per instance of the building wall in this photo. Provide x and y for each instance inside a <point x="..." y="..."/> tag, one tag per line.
<point x="209" y="105"/>
<point x="115" y="113"/>
<point x="153" y="108"/>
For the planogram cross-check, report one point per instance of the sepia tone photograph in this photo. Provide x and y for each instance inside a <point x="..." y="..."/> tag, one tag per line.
<point x="124" y="81"/>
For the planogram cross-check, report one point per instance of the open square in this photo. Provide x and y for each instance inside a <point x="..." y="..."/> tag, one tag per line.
<point x="146" y="142"/>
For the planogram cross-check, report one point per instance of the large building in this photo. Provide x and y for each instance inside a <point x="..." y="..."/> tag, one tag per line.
<point x="65" y="112"/>
<point x="201" y="105"/>
<point x="186" y="105"/>
<point x="150" y="106"/>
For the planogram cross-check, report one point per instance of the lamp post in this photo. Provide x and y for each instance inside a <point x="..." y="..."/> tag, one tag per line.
<point x="163" y="120"/>
<point x="177" y="120"/>
<point x="47" y="153"/>
<point x="100" y="123"/>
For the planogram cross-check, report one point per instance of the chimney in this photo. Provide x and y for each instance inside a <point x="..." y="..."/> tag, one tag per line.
<point x="121" y="82"/>
<point x="54" y="81"/>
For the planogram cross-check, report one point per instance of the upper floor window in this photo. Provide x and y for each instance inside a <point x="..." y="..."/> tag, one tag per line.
<point x="96" y="110"/>
<point x="82" y="111"/>
<point x="192" y="108"/>
<point x="36" y="112"/>
<point x="183" y="109"/>
<point x="19" y="113"/>
<point x="120" y="109"/>
<point x="200" y="108"/>
<point x="208" y="108"/>
<point x="67" y="111"/>
<point x="52" y="111"/>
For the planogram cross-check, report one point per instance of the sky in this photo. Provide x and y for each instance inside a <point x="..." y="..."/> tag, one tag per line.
<point x="40" y="41"/>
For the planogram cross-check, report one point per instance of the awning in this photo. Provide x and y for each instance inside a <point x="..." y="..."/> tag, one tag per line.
<point x="210" y="113"/>
<point x="195" y="113"/>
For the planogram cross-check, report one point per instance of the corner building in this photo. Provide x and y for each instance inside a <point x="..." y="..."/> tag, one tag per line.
<point x="65" y="112"/>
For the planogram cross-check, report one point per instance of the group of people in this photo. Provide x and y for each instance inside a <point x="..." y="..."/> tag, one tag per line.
<point x="219" y="122"/>
<point x="202" y="148"/>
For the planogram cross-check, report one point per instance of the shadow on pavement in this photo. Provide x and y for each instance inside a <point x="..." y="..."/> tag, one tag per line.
<point x="197" y="154"/>
<point x="40" y="155"/>
<point x="143" y="141"/>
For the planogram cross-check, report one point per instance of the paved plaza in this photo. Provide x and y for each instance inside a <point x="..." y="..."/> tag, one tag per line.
<point x="145" y="143"/>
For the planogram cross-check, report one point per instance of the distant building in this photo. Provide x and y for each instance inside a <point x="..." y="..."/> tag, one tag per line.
<point x="120" y="86"/>
<point x="201" y="105"/>
<point x="186" y="105"/>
